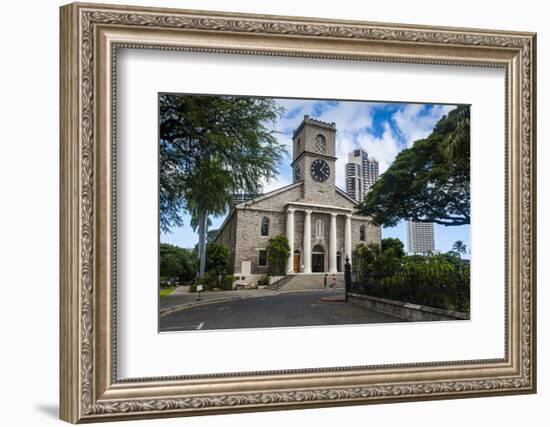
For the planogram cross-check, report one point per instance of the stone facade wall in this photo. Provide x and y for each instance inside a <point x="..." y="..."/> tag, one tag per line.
<point x="228" y="237"/>
<point x="316" y="192"/>
<point x="405" y="311"/>
<point x="250" y="240"/>
<point x="373" y="234"/>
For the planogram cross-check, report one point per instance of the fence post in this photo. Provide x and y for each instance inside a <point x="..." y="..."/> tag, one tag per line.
<point x="347" y="277"/>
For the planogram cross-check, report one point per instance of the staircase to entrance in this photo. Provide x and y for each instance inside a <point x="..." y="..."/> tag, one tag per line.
<point x="311" y="281"/>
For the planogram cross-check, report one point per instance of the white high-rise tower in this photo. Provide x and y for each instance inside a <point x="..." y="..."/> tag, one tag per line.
<point x="420" y="237"/>
<point x="361" y="173"/>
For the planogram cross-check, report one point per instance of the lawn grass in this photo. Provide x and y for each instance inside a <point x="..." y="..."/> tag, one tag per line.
<point x="166" y="291"/>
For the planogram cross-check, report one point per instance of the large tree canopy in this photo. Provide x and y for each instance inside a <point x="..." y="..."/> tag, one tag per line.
<point x="428" y="182"/>
<point x="211" y="147"/>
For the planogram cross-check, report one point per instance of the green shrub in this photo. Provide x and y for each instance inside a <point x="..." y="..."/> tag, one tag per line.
<point x="209" y="281"/>
<point x="263" y="281"/>
<point x="227" y="282"/>
<point x="278" y="251"/>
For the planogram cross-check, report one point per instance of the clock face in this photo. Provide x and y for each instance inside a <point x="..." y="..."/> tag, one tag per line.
<point x="320" y="170"/>
<point x="297" y="173"/>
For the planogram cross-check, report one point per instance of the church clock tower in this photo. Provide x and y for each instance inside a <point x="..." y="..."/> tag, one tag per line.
<point x="314" y="158"/>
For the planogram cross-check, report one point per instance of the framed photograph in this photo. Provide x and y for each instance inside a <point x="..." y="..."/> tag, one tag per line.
<point x="267" y="212"/>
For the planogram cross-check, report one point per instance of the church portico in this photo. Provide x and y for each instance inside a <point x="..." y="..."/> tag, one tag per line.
<point x="318" y="238"/>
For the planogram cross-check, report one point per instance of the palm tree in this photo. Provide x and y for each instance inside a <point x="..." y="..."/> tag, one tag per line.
<point x="210" y="148"/>
<point x="458" y="141"/>
<point x="459" y="247"/>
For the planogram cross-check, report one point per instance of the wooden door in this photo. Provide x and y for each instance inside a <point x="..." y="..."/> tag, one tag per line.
<point x="296" y="263"/>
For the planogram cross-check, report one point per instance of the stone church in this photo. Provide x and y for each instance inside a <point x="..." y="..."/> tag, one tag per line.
<point x="317" y="217"/>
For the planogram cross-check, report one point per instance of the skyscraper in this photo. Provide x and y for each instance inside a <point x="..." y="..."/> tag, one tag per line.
<point x="361" y="173"/>
<point x="420" y="237"/>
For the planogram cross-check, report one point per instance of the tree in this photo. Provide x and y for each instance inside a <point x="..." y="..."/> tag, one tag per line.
<point x="217" y="258"/>
<point x="278" y="251"/>
<point x="429" y="182"/>
<point x="379" y="261"/>
<point x="176" y="263"/>
<point x="364" y="257"/>
<point x="210" y="148"/>
<point x="395" y="245"/>
<point x="459" y="248"/>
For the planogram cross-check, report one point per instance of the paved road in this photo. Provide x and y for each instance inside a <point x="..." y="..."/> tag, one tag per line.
<point x="293" y="309"/>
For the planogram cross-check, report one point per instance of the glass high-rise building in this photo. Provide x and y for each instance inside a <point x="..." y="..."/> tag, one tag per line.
<point x="361" y="173"/>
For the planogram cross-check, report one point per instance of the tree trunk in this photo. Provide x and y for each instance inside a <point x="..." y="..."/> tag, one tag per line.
<point x="203" y="216"/>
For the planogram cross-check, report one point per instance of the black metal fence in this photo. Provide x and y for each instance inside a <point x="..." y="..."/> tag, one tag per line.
<point x="446" y="287"/>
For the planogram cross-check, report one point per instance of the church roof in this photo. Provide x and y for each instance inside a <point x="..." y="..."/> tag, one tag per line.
<point x="346" y="195"/>
<point x="255" y="200"/>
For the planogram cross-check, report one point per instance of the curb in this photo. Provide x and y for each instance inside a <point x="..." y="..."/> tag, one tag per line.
<point x="181" y="307"/>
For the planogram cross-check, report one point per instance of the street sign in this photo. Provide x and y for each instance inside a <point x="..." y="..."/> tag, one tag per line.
<point x="199" y="288"/>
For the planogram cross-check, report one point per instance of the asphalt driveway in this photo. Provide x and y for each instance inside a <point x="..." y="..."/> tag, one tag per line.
<point x="277" y="310"/>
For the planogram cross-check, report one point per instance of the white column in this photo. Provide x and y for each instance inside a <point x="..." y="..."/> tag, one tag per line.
<point x="307" y="242"/>
<point x="347" y="238"/>
<point x="290" y="237"/>
<point x="333" y="243"/>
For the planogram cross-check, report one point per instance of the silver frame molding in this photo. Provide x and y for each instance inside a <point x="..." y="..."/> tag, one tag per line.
<point x="90" y="36"/>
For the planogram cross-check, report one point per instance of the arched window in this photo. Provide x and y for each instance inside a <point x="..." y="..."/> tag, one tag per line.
<point x="318" y="249"/>
<point x="362" y="233"/>
<point x="319" y="229"/>
<point x="298" y="143"/>
<point x="320" y="144"/>
<point x="264" y="228"/>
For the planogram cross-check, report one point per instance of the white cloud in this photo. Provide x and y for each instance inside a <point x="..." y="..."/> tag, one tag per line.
<point x="285" y="140"/>
<point x="277" y="182"/>
<point x="414" y="122"/>
<point x="383" y="148"/>
<point x="345" y="143"/>
<point x="295" y="110"/>
<point x="349" y="116"/>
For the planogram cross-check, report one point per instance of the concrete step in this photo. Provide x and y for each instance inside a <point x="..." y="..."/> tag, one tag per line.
<point x="275" y="286"/>
<point x="297" y="282"/>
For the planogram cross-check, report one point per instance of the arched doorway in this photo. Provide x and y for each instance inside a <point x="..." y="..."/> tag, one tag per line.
<point x="297" y="261"/>
<point x="318" y="259"/>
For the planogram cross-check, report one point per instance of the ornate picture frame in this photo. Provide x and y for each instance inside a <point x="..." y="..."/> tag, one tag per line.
<point x="90" y="37"/>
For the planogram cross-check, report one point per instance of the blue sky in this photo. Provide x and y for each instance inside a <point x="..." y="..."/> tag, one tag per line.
<point x="382" y="129"/>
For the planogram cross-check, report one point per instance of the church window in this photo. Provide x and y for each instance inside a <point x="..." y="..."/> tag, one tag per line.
<point x="264" y="229"/>
<point x="362" y="233"/>
<point x="262" y="258"/>
<point x="320" y="144"/>
<point x="319" y="229"/>
<point x="298" y="143"/>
